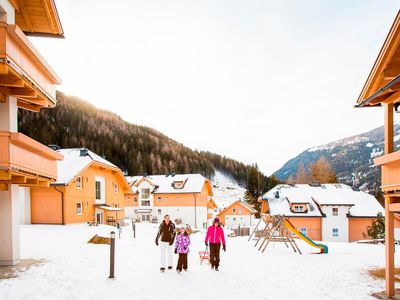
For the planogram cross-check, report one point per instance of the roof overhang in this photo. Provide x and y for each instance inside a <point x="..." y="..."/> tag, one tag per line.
<point x="383" y="83"/>
<point x="38" y="17"/>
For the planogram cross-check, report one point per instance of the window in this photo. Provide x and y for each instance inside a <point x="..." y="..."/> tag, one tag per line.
<point x="135" y="199"/>
<point x="303" y="230"/>
<point x="98" y="190"/>
<point x="159" y="211"/>
<point x="159" y="199"/>
<point x="116" y="205"/>
<point x="234" y="210"/>
<point x="79" y="182"/>
<point x="178" y="184"/>
<point x="116" y="187"/>
<point x="145" y="193"/>
<point x="335" y="231"/>
<point x="79" y="208"/>
<point x="298" y="208"/>
<point x="335" y="211"/>
<point x="145" y="203"/>
<point x="234" y="219"/>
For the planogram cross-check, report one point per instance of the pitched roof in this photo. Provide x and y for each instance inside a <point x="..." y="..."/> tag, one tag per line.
<point x="245" y="205"/>
<point x="73" y="163"/>
<point x="360" y="204"/>
<point x="163" y="184"/>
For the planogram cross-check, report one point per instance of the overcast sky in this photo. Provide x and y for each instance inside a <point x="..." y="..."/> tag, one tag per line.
<point x="258" y="81"/>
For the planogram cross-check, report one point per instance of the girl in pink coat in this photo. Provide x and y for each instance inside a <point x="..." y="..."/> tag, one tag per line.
<point x="215" y="236"/>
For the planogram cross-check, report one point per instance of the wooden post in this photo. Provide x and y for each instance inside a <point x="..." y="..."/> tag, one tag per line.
<point x="389" y="243"/>
<point x="388" y="127"/>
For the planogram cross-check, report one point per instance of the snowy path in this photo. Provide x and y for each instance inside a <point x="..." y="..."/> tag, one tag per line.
<point x="76" y="270"/>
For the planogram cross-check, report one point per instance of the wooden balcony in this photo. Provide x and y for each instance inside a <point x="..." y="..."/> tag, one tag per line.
<point x="390" y="164"/>
<point x="24" y="73"/>
<point x="25" y="161"/>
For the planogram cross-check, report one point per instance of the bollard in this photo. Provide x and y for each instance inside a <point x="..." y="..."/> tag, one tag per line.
<point x="239" y="233"/>
<point x="134" y="229"/>
<point x="119" y="230"/>
<point x="112" y="254"/>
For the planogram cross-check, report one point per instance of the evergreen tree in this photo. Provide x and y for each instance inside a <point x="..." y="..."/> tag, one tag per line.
<point x="254" y="188"/>
<point x="377" y="229"/>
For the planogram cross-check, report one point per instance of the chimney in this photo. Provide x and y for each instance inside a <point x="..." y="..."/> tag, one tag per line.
<point x="83" y="152"/>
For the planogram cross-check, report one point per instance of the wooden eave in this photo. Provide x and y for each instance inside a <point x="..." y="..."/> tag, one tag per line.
<point x="38" y="17"/>
<point x="384" y="71"/>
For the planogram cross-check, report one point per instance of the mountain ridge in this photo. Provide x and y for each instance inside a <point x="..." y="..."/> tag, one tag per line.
<point x="351" y="158"/>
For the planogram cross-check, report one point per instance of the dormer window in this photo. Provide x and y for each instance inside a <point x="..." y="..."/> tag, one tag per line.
<point x="299" y="208"/>
<point x="178" y="184"/>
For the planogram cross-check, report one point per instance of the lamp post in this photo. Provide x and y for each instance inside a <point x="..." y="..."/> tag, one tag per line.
<point x="112" y="254"/>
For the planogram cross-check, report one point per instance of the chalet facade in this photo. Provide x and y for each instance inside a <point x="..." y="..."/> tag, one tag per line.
<point x="238" y="213"/>
<point x="184" y="196"/>
<point x="382" y="89"/>
<point x="26" y="82"/>
<point x="88" y="189"/>
<point x="326" y="212"/>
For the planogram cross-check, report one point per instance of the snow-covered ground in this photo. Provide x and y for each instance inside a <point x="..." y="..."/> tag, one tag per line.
<point x="77" y="270"/>
<point x="226" y="190"/>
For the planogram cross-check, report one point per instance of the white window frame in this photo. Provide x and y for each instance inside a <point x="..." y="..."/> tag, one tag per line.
<point x="79" y="213"/>
<point x="79" y="182"/>
<point x="145" y="200"/>
<point x="142" y="193"/>
<point x="299" y="208"/>
<point x="335" y="230"/>
<point x="335" y="211"/>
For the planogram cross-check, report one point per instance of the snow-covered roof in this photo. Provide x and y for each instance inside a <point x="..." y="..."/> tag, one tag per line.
<point x="73" y="163"/>
<point x="243" y="204"/>
<point x="192" y="183"/>
<point x="360" y="204"/>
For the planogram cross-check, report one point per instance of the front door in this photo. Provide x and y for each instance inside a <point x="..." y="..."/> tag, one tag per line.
<point x="99" y="217"/>
<point x="145" y="218"/>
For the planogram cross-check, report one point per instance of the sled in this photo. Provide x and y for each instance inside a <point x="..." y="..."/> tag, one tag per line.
<point x="204" y="255"/>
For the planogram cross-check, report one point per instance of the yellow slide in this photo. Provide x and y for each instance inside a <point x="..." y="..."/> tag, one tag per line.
<point x="321" y="247"/>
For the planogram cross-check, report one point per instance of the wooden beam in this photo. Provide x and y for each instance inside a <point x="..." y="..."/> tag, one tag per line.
<point x="3" y="186"/>
<point x="5" y="176"/>
<point x="30" y="107"/>
<point x="3" y="68"/>
<point x="394" y="207"/>
<point x="388" y="127"/>
<point x="11" y="81"/>
<point x="32" y="181"/>
<point x="22" y="92"/>
<point x="393" y="97"/>
<point x="17" y="179"/>
<point x="43" y="183"/>
<point x="389" y="248"/>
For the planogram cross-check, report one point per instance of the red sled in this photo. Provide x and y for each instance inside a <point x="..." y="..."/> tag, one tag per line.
<point x="204" y="255"/>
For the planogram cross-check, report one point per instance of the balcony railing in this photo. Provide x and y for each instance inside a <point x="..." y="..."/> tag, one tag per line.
<point x="24" y="73"/>
<point x="390" y="164"/>
<point x="24" y="158"/>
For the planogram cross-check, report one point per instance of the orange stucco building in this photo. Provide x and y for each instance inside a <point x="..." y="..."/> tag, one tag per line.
<point x="324" y="212"/>
<point x="187" y="197"/>
<point x="88" y="189"/>
<point x="26" y="82"/>
<point x="238" y="213"/>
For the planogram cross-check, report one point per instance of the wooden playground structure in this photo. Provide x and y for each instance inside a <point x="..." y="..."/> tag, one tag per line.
<point x="274" y="231"/>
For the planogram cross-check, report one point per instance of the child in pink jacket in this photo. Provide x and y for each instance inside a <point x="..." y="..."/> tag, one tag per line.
<point x="215" y="236"/>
